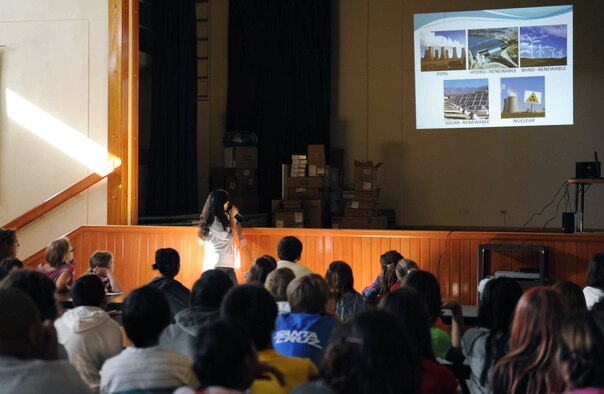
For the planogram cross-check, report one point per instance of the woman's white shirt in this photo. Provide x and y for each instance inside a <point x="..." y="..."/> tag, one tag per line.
<point x="218" y="247"/>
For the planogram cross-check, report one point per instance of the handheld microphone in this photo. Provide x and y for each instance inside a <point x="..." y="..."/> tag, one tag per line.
<point x="238" y="216"/>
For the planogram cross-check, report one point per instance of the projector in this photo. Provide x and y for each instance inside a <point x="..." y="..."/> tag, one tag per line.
<point x="587" y="169"/>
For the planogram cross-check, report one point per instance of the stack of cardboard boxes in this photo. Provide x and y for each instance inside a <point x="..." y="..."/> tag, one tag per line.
<point x="360" y="204"/>
<point x="238" y="177"/>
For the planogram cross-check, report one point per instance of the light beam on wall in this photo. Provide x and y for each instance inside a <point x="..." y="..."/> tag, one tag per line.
<point x="60" y="135"/>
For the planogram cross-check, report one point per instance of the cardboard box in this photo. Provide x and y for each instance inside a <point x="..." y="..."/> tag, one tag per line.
<point x="365" y="175"/>
<point x="360" y="222"/>
<point x="314" y="213"/>
<point x="303" y="193"/>
<point x="307" y="182"/>
<point x="289" y="219"/>
<point x="359" y="212"/>
<point x="360" y="204"/>
<point x="246" y="205"/>
<point x="242" y="185"/>
<point x="316" y="160"/>
<point x="241" y="157"/>
<point x="361" y="195"/>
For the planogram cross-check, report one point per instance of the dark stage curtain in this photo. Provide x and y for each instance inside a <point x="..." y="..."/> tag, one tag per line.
<point x="172" y="186"/>
<point x="279" y="80"/>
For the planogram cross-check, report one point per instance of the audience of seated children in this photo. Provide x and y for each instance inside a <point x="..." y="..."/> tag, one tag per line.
<point x="289" y="251"/>
<point x="206" y="297"/>
<point x="28" y="351"/>
<point x="532" y="364"/>
<point x="101" y="265"/>
<point x="260" y="269"/>
<point x="485" y="345"/>
<point x="370" y="354"/>
<point x="594" y="291"/>
<point x="146" y="367"/>
<point x="348" y="302"/>
<point x="8" y="265"/>
<point x="254" y="307"/>
<point x="9" y="244"/>
<point x="572" y="295"/>
<point x="88" y="333"/>
<point x="276" y="284"/>
<point x="382" y="283"/>
<point x="167" y="262"/>
<point x="409" y="309"/>
<point x="305" y="331"/>
<point x="401" y="270"/>
<point x="60" y="264"/>
<point x="582" y="353"/>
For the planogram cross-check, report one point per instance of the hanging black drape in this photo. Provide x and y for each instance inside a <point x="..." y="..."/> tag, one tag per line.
<point x="172" y="185"/>
<point x="279" y="80"/>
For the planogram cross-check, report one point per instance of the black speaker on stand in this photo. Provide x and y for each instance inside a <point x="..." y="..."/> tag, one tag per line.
<point x="569" y="222"/>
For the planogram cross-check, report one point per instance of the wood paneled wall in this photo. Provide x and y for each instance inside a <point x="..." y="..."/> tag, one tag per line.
<point x="451" y="256"/>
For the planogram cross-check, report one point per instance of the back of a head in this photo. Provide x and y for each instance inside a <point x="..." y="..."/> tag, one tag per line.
<point x="8" y="236"/>
<point x="339" y="279"/>
<point x="404" y="266"/>
<point x="222" y="351"/>
<point x="372" y="354"/>
<point x="88" y="291"/>
<point x="391" y="257"/>
<point x="145" y="314"/>
<point x="255" y="308"/>
<point x="210" y="289"/>
<point x="260" y="269"/>
<point x="57" y="251"/>
<point x="7" y="265"/>
<point x="572" y="295"/>
<point x="38" y="286"/>
<point x="102" y="259"/>
<point x="499" y="299"/>
<point x="289" y="248"/>
<point x="213" y="209"/>
<point x="428" y="289"/>
<point x="308" y="294"/>
<point x="595" y="271"/>
<point x="410" y="311"/>
<point x="582" y="350"/>
<point x="277" y="282"/>
<point x="167" y="262"/>
<point x="17" y="314"/>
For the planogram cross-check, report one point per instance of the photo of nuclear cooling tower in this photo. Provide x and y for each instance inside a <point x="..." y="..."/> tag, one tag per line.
<point x="493" y="48"/>
<point x="543" y="46"/>
<point x="443" y="50"/>
<point x="466" y="99"/>
<point x="523" y="97"/>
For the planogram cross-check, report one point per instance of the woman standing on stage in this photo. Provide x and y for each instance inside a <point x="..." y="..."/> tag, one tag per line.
<point x="216" y="225"/>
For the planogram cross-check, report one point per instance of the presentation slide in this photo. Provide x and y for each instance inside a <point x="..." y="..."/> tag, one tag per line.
<point x="494" y="68"/>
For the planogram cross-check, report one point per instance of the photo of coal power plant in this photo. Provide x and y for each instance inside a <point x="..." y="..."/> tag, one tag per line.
<point x="466" y="99"/>
<point x="443" y="50"/>
<point x="523" y="97"/>
<point x="543" y="46"/>
<point x="493" y="48"/>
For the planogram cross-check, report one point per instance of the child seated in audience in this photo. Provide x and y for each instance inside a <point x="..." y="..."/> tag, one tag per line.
<point x="401" y="270"/>
<point x="276" y="283"/>
<point x="60" y="264"/>
<point x="8" y="265"/>
<point x="101" y="265"/>
<point x="572" y="295"/>
<point x="28" y="354"/>
<point x="409" y="309"/>
<point x="254" y="307"/>
<point x="485" y="345"/>
<point x="370" y="354"/>
<point x="88" y="333"/>
<point x="382" y="283"/>
<point x="167" y="262"/>
<point x="9" y="244"/>
<point x="146" y="367"/>
<point x="260" y="269"/>
<point x="348" y="302"/>
<point x="206" y="297"/>
<point x="594" y="291"/>
<point x="582" y="353"/>
<point x="305" y="331"/>
<point x="532" y="364"/>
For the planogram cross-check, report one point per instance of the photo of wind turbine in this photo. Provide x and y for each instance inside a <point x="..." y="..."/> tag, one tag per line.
<point x="543" y="46"/>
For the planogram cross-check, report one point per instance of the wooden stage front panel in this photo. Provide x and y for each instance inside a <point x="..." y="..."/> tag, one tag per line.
<point x="450" y="255"/>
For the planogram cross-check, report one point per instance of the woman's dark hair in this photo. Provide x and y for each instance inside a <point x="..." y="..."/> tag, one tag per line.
<point x="212" y="210"/>
<point x="7" y="265"/>
<point x="496" y="312"/>
<point x="260" y="269"/>
<point x="428" y="289"/>
<point x="372" y="354"/>
<point x="572" y="295"/>
<point x="221" y="350"/>
<point x="38" y="286"/>
<point x="388" y="262"/>
<point x="210" y="289"/>
<point x="167" y="262"/>
<point x="409" y="309"/>
<point x="595" y="271"/>
<point x="8" y="237"/>
<point x="339" y="279"/>
<point x="582" y="350"/>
